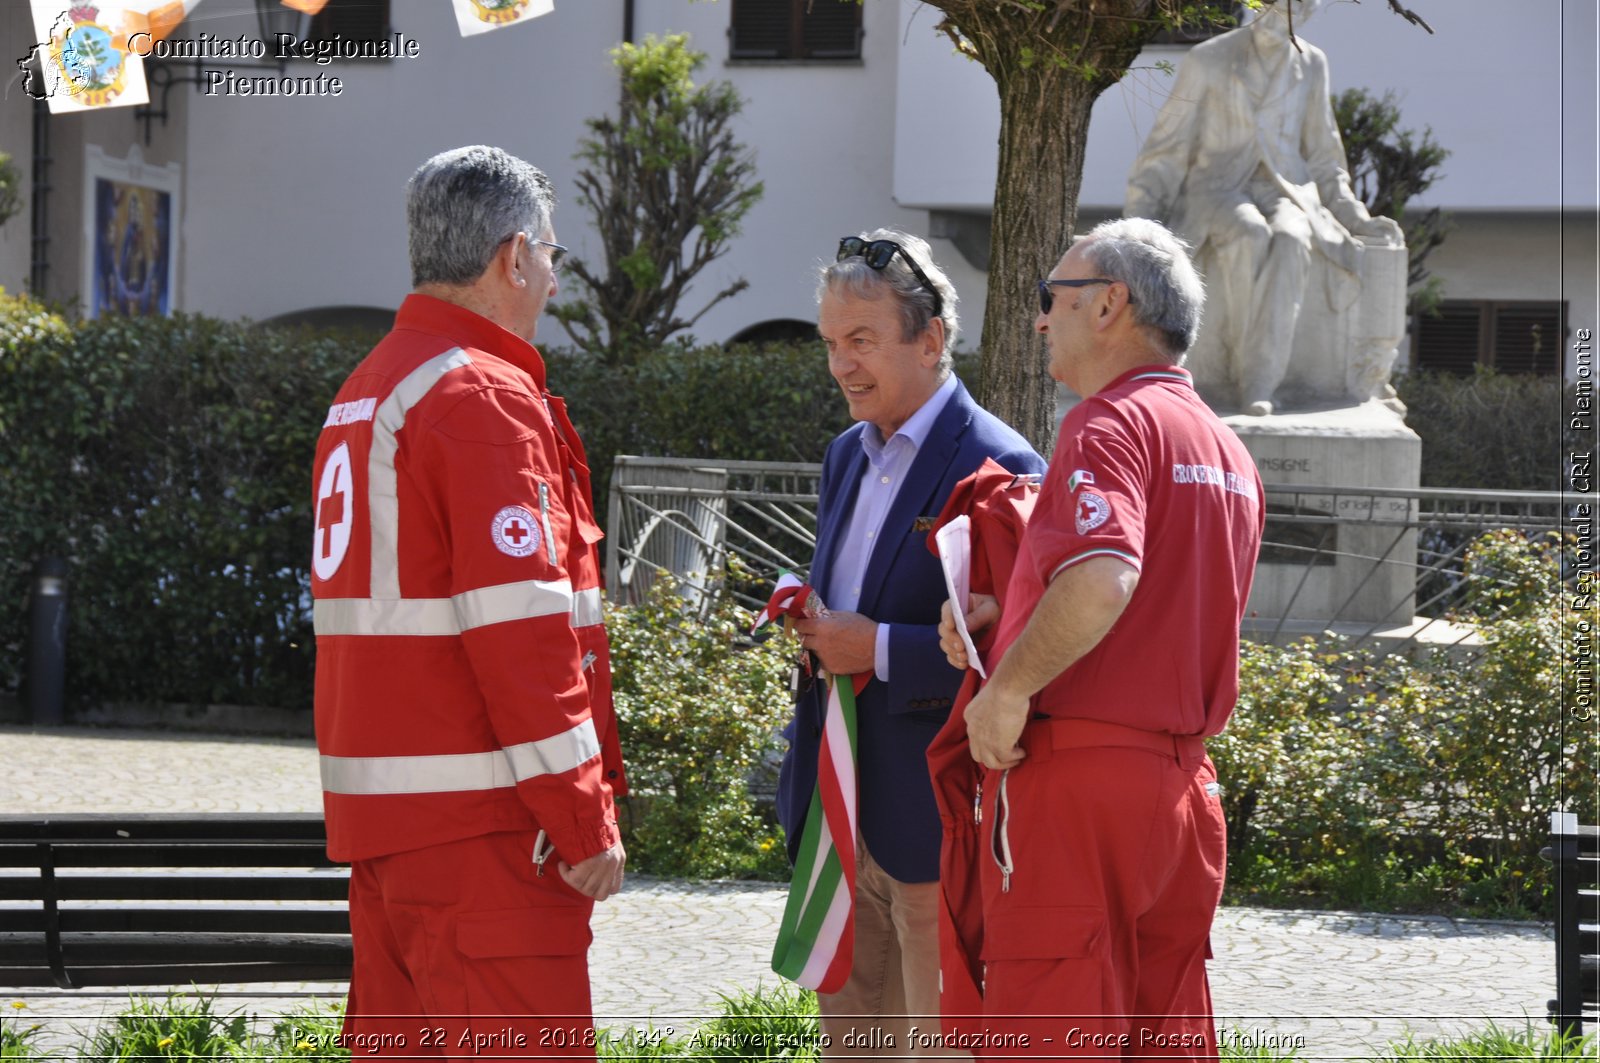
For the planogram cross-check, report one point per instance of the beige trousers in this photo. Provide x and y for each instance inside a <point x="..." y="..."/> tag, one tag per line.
<point x="894" y="981"/>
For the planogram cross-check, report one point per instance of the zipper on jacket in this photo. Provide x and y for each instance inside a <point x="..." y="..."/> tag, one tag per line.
<point x="1000" y="840"/>
<point x="544" y="518"/>
<point x="977" y="802"/>
<point x="542" y="848"/>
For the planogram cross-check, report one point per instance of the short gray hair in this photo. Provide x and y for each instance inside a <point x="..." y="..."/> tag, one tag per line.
<point x="854" y="277"/>
<point x="461" y="205"/>
<point x="1167" y="293"/>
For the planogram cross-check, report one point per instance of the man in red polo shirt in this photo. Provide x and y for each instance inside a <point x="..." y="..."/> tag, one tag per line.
<point x="1116" y="656"/>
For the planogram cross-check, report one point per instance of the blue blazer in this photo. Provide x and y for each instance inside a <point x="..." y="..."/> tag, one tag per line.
<point x="904" y="587"/>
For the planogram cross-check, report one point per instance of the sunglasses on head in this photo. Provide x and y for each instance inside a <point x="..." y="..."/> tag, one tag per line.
<point x="1047" y="298"/>
<point x="877" y="254"/>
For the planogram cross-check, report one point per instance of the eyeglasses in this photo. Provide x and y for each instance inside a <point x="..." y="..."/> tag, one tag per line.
<point x="1047" y="298"/>
<point x="877" y="254"/>
<point x="558" y="252"/>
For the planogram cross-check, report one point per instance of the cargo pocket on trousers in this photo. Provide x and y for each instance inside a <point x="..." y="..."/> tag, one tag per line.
<point x="552" y="931"/>
<point x="1038" y="961"/>
<point x="531" y="962"/>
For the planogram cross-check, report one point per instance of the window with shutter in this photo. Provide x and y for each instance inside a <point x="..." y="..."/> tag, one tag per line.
<point x="1508" y="336"/>
<point x="795" y="29"/>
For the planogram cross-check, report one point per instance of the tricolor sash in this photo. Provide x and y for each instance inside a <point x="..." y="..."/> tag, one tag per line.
<point x="816" y="939"/>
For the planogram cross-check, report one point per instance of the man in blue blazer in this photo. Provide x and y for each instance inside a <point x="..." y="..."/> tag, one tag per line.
<point x="887" y="314"/>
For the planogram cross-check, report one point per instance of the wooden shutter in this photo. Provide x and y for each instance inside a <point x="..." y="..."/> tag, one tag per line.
<point x="1452" y="340"/>
<point x="831" y="29"/>
<point x="1529" y="337"/>
<point x="761" y="29"/>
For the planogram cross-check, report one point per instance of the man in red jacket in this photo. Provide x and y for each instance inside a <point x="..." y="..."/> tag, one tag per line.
<point x="463" y="697"/>
<point x="1115" y="657"/>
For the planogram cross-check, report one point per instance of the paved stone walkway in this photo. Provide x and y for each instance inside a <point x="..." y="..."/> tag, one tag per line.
<point x="1333" y="985"/>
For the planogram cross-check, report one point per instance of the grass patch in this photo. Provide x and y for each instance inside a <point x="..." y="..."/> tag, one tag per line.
<point x="766" y="1024"/>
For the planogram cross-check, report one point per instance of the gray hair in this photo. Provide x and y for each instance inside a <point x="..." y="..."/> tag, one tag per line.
<point x="461" y="205"/>
<point x="853" y="276"/>
<point x="1168" y="295"/>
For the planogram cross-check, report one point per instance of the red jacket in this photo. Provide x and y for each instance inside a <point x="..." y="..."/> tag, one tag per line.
<point x="999" y="504"/>
<point x="463" y="674"/>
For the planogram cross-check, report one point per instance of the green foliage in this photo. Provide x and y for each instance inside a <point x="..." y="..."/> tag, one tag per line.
<point x="1541" y="1043"/>
<point x="10" y="189"/>
<point x="180" y="1027"/>
<point x="699" y="709"/>
<point x="668" y="186"/>
<point x="167" y="459"/>
<point x="1415" y="783"/>
<point x="1492" y="430"/>
<point x="18" y="1034"/>
<point x="1388" y="167"/>
<point x="309" y="1032"/>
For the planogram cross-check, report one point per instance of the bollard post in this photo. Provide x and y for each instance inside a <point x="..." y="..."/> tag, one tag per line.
<point x="47" y="645"/>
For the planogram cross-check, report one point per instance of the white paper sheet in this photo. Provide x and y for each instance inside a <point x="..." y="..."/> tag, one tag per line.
<point x="955" y="557"/>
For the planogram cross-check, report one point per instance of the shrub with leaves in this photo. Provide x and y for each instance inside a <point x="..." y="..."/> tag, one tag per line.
<point x="667" y="186"/>
<point x="1500" y="431"/>
<point x="1418" y="783"/>
<point x="699" y="711"/>
<point x="167" y="459"/>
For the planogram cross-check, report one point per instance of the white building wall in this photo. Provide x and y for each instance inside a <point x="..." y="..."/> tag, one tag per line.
<point x="297" y="203"/>
<point x="290" y="204"/>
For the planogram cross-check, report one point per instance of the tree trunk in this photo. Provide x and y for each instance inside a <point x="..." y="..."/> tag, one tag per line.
<point x="1050" y="61"/>
<point x="1045" y="113"/>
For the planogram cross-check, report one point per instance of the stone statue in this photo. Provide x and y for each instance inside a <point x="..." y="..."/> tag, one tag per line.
<point x="1306" y="290"/>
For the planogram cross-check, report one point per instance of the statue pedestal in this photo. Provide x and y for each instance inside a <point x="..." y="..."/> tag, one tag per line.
<point x="1352" y="560"/>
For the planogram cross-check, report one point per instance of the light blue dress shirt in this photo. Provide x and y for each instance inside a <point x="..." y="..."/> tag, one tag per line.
<point x="888" y="464"/>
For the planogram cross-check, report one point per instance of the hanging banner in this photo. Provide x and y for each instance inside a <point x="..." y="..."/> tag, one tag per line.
<point x="480" y="16"/>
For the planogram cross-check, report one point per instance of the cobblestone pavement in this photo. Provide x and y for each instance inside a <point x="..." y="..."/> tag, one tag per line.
<point x="1332" y="984"/>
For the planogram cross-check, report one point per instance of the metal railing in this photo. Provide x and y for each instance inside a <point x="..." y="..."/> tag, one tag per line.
<point x="1369" y="563"/>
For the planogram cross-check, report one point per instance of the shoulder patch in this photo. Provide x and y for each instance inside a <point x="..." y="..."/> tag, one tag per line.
<point x="515" y="532"/>
<point x="1092" y="511"/>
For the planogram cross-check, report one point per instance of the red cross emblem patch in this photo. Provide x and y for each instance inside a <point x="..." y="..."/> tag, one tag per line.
<point x="515" y="532"/>
<point x="1093" y="511"/>
<point x="334" y="514"/>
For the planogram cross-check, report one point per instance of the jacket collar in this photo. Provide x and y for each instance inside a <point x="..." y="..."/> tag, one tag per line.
<point x="425" y="313"/>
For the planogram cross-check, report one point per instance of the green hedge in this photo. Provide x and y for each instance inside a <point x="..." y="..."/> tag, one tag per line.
<point x="1416" y="783"/>
<point x="168" y="460"/>
<point x="1490" y="430"/>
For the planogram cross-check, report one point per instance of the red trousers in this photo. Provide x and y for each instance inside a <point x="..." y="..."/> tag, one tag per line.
<point x="463" y="950"/>
<point x="1095" y="942"/>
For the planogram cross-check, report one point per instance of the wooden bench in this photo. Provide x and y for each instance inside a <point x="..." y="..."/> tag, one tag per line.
<point x="1574" y="851"/>
<point x="130" y="899"/>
